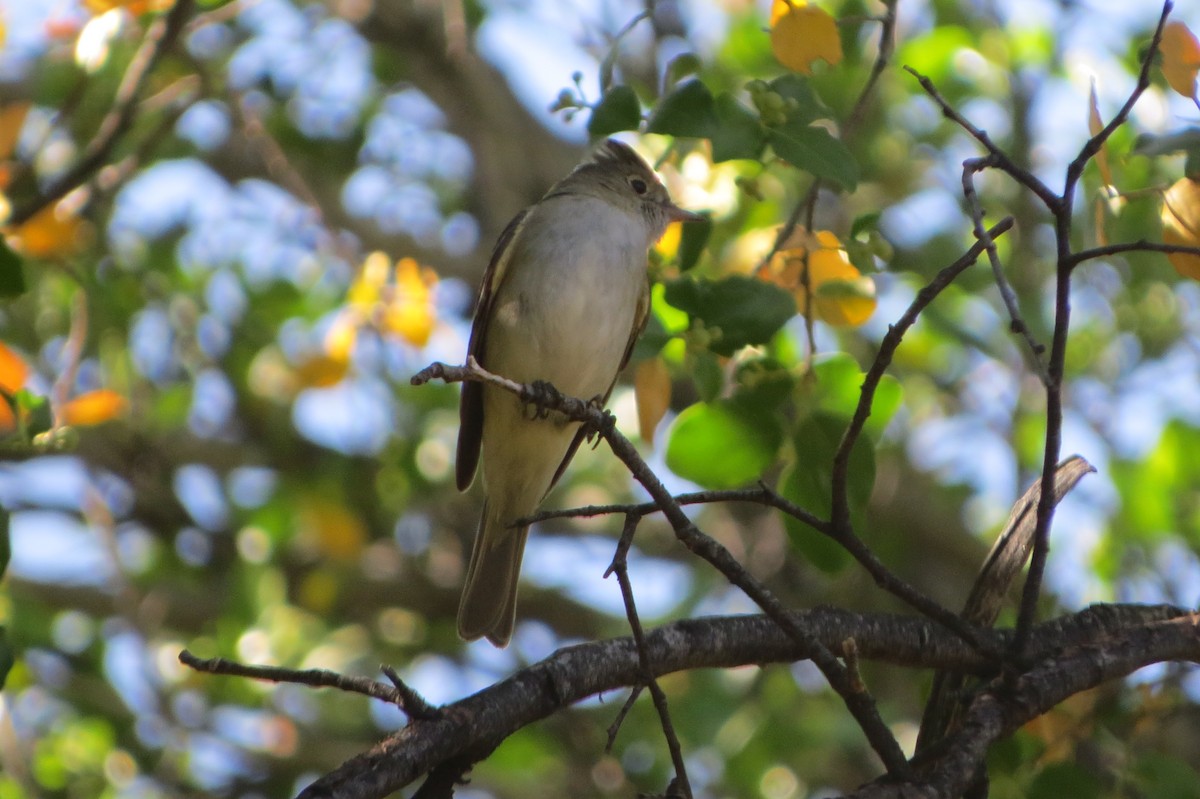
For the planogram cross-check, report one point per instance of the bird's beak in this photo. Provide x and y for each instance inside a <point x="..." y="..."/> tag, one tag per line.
<point x="677" y="214"/>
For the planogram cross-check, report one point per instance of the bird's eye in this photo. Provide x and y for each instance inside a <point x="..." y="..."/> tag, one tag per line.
<point x="639" y="185"/>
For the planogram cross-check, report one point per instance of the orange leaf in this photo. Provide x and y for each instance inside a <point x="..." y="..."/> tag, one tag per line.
<point x="12" y="119"/>
<point x="13" y="371"/>
<point x="652" y="387"/>
<point x="321" y="371"/>
<point x="1180" y="58"/>
<point x="50" y="233"/>
<point x="93" y="408"/>
<point x="1181" y="224"/>
<point x="802" y="34"/>
<point x="8" y="420"/>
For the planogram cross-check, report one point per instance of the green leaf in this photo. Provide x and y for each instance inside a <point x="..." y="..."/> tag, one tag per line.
<point x="738" y="132"/>
<point x="12" y="277"/>
<point x="865" y="223"/>
<point x="800" y="487"/>
<point x="807" y="106"/>
<point x="764" y="383"/>
<point x="746" y="310"/>
<point x="652" y="340"/>
<point x="722" y="444"/>
<point x="681" y="66"/>
<point x="7" y="657"/>
<point x="687" y="111"/>
<point x="1064" y="779"/>
<point x="839" y="386"/>
<point x="691" y="242"/>
<point x="708" y="375"/>
<point x="809" y="484"/>
<point x="618" y="110"/>
<point x="815" y="151"/>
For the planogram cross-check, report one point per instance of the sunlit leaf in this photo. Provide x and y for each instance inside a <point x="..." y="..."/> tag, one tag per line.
<point x="842" y="296"/>
<point x="93" y="407"/>
<point x="13" y="371"/>
<point x="53" y="232"/>
<point x="652" y="387"/>
<point x="721" y="444"/>
<point x="321" y="371"/>
<point x="12" y="119"/>
<point x="1181" y="224"/>
<point x="1095" y="125"/>
<point x="1180" y="58"/>
<point x="802" y="34"/>
<point x="411" y="313"/>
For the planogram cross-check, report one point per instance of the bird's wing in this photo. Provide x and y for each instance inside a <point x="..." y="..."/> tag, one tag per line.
<point x="470" y="406"/>
<point x="640" y="317"/>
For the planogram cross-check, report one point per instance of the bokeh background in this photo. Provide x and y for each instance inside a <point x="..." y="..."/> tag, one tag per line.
<point x="221" y="322"/>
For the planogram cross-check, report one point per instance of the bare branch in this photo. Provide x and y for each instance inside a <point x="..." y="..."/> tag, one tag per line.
<point x="161" y="36"/>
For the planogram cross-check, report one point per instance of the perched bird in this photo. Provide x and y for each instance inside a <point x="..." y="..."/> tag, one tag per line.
<point x="564" y="297"/>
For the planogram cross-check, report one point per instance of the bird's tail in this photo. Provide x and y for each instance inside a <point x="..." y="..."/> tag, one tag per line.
<point x="489" y="599"/>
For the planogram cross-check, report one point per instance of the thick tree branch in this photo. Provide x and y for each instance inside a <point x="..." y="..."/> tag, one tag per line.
<point x="1073" y="653"/>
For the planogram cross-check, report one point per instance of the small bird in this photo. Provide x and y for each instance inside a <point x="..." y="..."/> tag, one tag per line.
<point x="564" y="298"/>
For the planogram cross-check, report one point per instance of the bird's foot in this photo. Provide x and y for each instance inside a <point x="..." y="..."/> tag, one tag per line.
<point x="596" y="402"/>
<point x="541" y="396"/>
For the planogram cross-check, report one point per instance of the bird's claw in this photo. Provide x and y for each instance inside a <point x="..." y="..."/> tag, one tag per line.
<point x="541" y="396"/>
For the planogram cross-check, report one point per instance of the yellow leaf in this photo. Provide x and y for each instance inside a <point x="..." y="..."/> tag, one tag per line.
<point x="372" y="277"/>
<point x="1181" y="224"/>
<point x="321" y="371"/>
<point x="842" y="296"/>
<point x="12" y="119"/>
<point x="410" y="313"/>
<point x="135" y="7"/>
<point x="1180" y="58"/>
<point x="339" y="341"/>
<point x="652" y="387"/>
<point x="339" y="534"/>
<point x="52" y="232"/>
<point x="802" y="34"/>
<point x="668" y="245"/>
<point x="94" y="407"/>
<point x="13" y="371"/>
<point x="1095" y="125"/>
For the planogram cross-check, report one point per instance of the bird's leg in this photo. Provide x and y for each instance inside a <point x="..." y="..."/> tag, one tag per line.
<point x="542" y="395"/>
<point x="596" y="402"/>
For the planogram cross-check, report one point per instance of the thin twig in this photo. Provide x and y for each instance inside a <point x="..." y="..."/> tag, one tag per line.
<point x="1062" y="211"/>
<point x="1141" y="245"/>
<point x="1017" y="324"/>
<point x="319" y="678"/>
<point x="620" y="568"/>
<point x="883" y="359"/>
<point x="1003" y="161"/>
<point x="161" y="36"/>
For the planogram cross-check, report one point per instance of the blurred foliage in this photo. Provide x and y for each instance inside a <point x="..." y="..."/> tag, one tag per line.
<point x="209" y="439"/>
